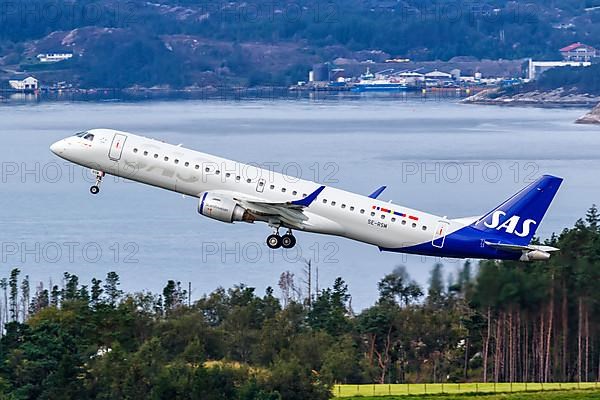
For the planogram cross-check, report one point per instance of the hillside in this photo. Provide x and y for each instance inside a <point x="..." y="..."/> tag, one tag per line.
<point x="183" y="43"/>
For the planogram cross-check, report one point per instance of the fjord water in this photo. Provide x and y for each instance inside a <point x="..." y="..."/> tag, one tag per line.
<point x="438" y="156"/>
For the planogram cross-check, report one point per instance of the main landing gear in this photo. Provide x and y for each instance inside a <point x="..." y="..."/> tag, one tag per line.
<point x="286" y="241"/>
<point x="95" y="189"/>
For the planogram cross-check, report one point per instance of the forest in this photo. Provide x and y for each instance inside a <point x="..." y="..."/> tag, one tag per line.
<point x="572" y="79"/>
<point x="264" y="42"/>
<point x="496" y="321"/>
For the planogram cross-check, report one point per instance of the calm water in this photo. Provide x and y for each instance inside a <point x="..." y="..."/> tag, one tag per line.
<point x="439" y="156"/>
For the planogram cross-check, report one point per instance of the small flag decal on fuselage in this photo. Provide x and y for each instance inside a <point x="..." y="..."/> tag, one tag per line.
<point x="385" y="210"/>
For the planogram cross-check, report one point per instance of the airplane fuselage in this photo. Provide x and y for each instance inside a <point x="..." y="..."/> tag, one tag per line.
<point x="334" y="212"/>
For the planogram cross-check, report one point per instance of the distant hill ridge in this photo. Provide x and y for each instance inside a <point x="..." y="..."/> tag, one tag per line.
<point x="181" y="43"/>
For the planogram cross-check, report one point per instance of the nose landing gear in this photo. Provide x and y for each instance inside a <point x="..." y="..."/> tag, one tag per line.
<point x="95" y="189"/>
<point x="286" y="241"/>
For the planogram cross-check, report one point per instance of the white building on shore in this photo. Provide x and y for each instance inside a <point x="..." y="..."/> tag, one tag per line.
<point x="536" y="68"/>
<point x="27" y="84"/>
<point x="53" y="57"/>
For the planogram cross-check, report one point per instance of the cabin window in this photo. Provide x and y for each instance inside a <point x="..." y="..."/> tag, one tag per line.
<point x="135" y="150"/>
<point x="176" y="161"/>
<point x="333" y="203"/>
<point x="145" y="153"/>
<point x="249" y="180"/>
<point x="343" y="206"/>
<point x="414" y="225"/>
<point x="187" y="164"/>
<point x="362" y="211"/>
<point x="324" y="201"/>
<point x="403" y="222"/>
<point x="227" y="175"/>
<point x="304" y="194"/>
<point x="283" y="190"/>
<point x="424" y="228"/>
<point x="156" y="156"/>
<point x="382" y="216"/>
<point x="272" y="187"/>
<point x="166" y="158"/>
<point x="237" y="178"/>
<point x="197" y="166"/>
<point x="206" y="169"/>
<point x="294" y="193"/>
<point x="217" y="172"/>
<point x="351" y="208"/>
<point x="372" y="214"/>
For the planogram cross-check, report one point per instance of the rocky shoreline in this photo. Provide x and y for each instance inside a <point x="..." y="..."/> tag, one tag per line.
<point x="593" y="117"/>
<point x="555" y="98"/>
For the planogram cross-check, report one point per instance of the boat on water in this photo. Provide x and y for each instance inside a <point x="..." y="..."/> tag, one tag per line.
<point x="379" y="85"/>
<point x="370" y="82"/>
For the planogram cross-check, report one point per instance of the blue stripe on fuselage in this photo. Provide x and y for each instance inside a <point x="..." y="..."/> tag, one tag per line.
<point x="466" y="242"/>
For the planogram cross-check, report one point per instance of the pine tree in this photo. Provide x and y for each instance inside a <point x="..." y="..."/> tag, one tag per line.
<point x="25" y="296"/>
<point x="96" y="292"/>
<point x="436" y="285"/>
<point x="111" y="288"/>
<point x="55" y="296"/>
<point x="14" y="294"/>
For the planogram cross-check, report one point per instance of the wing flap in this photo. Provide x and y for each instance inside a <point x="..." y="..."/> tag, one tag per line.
<point x="289" y="213"/>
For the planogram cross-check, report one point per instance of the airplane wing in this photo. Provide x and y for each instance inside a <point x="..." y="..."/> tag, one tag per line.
<point x="286" y="213"/>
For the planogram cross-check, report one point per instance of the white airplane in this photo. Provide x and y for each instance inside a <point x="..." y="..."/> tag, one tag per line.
<point x="229" y="191"/>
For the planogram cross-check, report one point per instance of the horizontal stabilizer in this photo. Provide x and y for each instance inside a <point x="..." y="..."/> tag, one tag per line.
<point x="530" y="252"/>
<point x="516" y="247"/>
<point x="376" y="193"/>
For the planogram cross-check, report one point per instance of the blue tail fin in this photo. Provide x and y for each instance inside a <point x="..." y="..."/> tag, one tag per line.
<point x="517" y="219"/>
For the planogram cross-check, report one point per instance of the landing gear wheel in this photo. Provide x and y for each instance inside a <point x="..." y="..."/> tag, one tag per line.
<point x="96" y="188"/>
<point x="274" y="241"/>
<point x="288" y="241"/>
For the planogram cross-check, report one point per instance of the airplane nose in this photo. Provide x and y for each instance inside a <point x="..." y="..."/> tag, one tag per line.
<point x="57" y="147"/>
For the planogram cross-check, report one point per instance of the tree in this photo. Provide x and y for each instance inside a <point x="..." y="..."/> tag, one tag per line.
<point x="330" y="309"/>
<point x="398" y="287"/>
<point x="25" y="296"/>
<point x="96" y="292"/>
<point x="111" y="288"/>
<point x="435" y="293"/>
<point x="14" y="294"/>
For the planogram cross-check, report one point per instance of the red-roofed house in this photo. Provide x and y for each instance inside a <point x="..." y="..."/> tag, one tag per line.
<point x="579" y="52"/>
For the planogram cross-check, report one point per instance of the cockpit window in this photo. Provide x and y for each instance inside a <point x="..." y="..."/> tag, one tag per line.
<point x="89" y="137"/>
<point x="81" y="134"/>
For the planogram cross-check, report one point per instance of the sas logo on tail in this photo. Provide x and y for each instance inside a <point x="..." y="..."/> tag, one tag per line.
<point x="511" y="224"/>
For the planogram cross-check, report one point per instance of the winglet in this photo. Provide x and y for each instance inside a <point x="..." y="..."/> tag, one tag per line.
<point x="305" y="202"/>
<point x="376" y="193"/>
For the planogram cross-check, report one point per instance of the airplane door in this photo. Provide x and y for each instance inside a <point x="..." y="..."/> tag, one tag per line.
<point x="260" y="186"/>
<point x="440" y="234"/>
<point x="116" y="147"/>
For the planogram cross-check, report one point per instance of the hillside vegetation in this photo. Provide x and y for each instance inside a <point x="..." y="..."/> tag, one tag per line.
<point x="507" y="322"/>
<point x="187" y="42"/>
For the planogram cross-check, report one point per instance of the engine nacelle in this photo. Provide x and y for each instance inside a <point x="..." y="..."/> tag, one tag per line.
<point x="222" y="208"/>
<point x="535" y="255"/>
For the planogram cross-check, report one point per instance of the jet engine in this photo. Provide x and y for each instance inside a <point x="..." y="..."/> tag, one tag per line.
<point x="535" y="255"/>
<point x="222" y="208"/>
